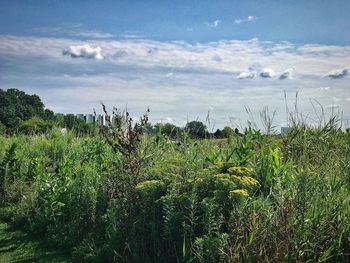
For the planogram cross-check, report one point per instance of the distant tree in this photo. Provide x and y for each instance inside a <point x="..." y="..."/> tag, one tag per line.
<point x="227" y="132"/>
<point x="196" y="129"/>
<point x="71" y="122"/>
<point x="157" y="128"/>
<point x="170" y="130"/>
<point x="16" y="106"/>
<point x="49" y="114"/>
<point x="148" y="129"/>
<point x="218" y="134"/>
<point x="58" y="120"/>
<point x="35" y="125"/>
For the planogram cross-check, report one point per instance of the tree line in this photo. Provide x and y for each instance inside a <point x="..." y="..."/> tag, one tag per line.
<point x="24" y="113"/>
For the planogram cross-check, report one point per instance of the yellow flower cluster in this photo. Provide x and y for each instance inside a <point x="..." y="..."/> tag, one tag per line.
<point x="240" y="192"/>
<point x="246" y="180"/>
<point x="239" y="170"/>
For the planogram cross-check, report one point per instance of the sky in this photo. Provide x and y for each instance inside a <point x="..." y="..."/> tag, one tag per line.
<point x="184" y="60"/>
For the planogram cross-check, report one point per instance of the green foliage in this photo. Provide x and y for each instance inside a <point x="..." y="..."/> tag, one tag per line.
<point x="126" y="197"/>
<point x="34" y="125"/>
<point x="227" y="132"/>
<point x="2" y="128"/>
<point x="8" y="168"/>
<point x="196" y="129"/>
<point x="168" y="129"/>
<point x="75" y="124"/>
<point x="17" y="106"/>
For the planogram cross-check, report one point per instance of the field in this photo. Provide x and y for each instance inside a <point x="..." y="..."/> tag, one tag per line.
<point x="250" y="198"/>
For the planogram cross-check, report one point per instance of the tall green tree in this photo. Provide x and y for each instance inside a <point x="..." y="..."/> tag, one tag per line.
<point x="196" y="129"/>
<point x="16" y="106"/>
<point x="227" y="132"/>
<point x="170" y="130"/>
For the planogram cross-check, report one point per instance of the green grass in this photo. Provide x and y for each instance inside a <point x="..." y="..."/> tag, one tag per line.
<point x="253" y="198"/>
<point x="16" y="246"/>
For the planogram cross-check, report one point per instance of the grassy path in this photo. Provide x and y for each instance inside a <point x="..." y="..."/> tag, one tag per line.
<point x="16" y="246"/>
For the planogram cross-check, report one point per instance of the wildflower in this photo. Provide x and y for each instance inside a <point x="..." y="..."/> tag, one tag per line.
<point x="239" y="170"/>
<point x="240" y="192"/>
<point x="246" y="180"/>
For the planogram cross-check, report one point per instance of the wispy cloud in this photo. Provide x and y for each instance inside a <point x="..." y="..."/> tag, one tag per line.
<point x="132" y="36"/>
<point x="76" y="30"/>
<point x="213" y="24"/>
<point x="94" y="34"/>
<point x="246" y="19"/>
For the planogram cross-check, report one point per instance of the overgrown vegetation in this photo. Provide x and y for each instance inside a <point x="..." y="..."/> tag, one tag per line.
<point x="123" y="196"/>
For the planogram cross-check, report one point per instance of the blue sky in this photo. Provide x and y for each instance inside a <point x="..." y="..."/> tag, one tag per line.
<point x="181" y="58"/>
<point x="322" y="22"/>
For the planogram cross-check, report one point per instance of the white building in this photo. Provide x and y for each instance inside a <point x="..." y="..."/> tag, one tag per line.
<point x="89" y="118"/>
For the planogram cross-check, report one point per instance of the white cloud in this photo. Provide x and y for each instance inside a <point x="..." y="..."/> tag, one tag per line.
<point x="133" y="36"/>
<point x="287" y="74"/>
<point x="213" y="24"/>
<point x="130" y="74"/>
<point x="337" y="73"/>
<point x="246" y="75"/>
<point x="246" y="19"/>
<point x="83" y="51"/>
<point x="267" y="73"/>
<point x="94" y="34"/>
<point x="325" y="88"/>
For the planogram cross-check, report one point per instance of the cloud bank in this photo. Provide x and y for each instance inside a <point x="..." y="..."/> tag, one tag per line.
<point x="175" y="79"/>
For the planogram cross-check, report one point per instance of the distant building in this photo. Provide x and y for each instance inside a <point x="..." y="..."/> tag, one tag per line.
<point x="89" y="118"/>
<point x="99" y="119"/>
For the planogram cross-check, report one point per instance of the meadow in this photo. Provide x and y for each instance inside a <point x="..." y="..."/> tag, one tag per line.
<point x="122" y="196"/>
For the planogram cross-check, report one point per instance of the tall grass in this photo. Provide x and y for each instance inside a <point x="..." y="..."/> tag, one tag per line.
<point x="254" y="198"/>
